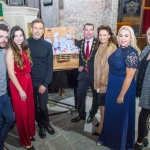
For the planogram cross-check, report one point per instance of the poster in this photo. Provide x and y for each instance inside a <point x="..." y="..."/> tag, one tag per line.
<point x="131" y="13"/>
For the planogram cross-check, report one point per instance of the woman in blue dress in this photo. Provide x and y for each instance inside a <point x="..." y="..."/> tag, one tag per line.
<point x="119" y="121"/>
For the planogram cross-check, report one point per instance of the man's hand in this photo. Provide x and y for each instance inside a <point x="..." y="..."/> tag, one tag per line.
<point x="42" y="89"/>
<point x="80" y="68"/>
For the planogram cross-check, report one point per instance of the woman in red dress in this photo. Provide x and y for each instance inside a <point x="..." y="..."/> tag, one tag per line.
<point x="18" y="63"/>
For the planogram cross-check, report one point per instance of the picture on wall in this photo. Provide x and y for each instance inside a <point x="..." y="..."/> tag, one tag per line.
<point x="131" y="13"/>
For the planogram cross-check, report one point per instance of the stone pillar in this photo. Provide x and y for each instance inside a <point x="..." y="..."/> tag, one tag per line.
<point x="21" y="16"/>
<point x="50" y="14"/>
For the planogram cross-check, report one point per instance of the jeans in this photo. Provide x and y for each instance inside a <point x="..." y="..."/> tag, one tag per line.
<point x="6" y="117"/>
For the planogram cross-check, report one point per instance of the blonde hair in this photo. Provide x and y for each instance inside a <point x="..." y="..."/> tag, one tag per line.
<point x="147" y="35"/>
<point x="133" y="38"/>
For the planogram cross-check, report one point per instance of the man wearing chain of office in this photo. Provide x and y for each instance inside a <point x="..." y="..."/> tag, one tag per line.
<point x="86" y="74"/>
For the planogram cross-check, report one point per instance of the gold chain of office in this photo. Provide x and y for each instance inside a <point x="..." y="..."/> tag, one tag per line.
<point x="86" y="60"/>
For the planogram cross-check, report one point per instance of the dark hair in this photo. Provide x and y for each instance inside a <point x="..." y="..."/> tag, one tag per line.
<point x="37" y="21"/>
<point x="15" y="48"/>
<point x="108" y="29"/>
<point x="88" y="24"/>
<point x="4" y="27"/>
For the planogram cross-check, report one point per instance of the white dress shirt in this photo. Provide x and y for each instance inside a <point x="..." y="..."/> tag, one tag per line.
<point x="90" y="44"/>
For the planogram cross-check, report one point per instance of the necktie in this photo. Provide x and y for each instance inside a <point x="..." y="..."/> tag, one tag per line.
<point x="87" y="49"/>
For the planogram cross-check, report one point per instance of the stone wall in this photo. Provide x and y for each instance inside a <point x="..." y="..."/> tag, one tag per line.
<point x="50" y="14"/>
<point x="32" y="3"/>
<point x="78" y="12"/>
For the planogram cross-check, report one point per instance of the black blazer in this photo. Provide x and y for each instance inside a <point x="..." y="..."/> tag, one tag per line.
<point x="90" y="62"/>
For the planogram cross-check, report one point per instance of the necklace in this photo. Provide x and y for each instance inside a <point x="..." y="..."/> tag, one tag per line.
<point x="82" y="56"/>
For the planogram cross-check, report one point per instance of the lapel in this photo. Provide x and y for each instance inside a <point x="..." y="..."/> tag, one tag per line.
<point x="145" y="51"/>
<point x="93" y="43"/>
<point x="83" y="52"/>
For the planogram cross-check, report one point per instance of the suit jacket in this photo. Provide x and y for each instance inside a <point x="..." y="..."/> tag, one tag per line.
<point x="82" y="58"/>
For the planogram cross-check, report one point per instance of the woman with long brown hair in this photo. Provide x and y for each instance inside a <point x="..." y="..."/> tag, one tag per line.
<point x="19" y="67"/>
<point x="106" y="45"/>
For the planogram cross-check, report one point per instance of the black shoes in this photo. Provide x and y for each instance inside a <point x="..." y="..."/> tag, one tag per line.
<point x="32" y="139"/>
<point x="50" y="129"/>
<point x="138" y="147"/>
<point x="90" y="118"/>
<point x="96" y="134"/>
<point x="77" y="119"/>
<point x="145" y="142"/>
<point x="42" y="132"/>
<point x="31" y="148"/>
<point x="97" y="124"/>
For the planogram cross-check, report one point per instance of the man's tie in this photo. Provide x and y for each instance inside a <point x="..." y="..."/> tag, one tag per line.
<point x="87" y="49"/>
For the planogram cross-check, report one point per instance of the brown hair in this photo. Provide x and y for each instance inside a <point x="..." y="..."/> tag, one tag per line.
<point x="37" y="21"/>
<point x="4" y="27"/>
<point x="108" y="29"/>
<point x="147" y="35"/>
<point x="88" y="24"/>
<point x="15" y="48"/>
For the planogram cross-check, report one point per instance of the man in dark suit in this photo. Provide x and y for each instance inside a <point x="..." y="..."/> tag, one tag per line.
<point x="86" y="73"/>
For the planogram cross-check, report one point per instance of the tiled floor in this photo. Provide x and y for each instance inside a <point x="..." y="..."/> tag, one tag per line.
<point x="68" y="136"/>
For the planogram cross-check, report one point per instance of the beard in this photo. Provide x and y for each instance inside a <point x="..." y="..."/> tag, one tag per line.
<point x="3" y="45"/>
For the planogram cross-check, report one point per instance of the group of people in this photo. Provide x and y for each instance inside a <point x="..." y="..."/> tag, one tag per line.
<point x="28" y="87"/>
<point x="116" y="77"/>
<point x="109" y="71"/>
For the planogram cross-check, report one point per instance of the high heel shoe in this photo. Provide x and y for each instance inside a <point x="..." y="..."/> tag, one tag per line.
<point x="138" y="147"/>
<point x="32" y="139"/>
<point x="30" y="148"/>
<point x="97" y="124"/>
<point x="145" y="142"/>
<point x="96" y="134"/>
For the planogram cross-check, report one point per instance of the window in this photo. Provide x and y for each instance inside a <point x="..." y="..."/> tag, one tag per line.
<point x="16" y="2"/>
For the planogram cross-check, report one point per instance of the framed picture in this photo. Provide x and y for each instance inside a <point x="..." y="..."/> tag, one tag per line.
<point x="130" y="11"/>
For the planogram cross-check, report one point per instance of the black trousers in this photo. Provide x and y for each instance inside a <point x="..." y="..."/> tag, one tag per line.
<point x="41" y="110"/>
<point x="143" y="124"/>
<point x="83" y="86"/>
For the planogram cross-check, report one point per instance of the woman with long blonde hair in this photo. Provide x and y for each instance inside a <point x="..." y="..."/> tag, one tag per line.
<point x="119" y="121"/>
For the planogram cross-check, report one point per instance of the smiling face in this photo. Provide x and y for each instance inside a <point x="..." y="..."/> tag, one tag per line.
<point x="124" y="38"/>
<point x="18" y="38"/>
<point x="88" y="31"/>
<point x="103" y="36"/>
<point x="37" y="30"/>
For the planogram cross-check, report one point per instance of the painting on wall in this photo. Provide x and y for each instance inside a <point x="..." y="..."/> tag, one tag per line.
<point x="131" y="13"/>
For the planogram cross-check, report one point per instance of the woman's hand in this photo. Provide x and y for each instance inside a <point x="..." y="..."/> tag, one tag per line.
<point x="120" y="99"/>
<point x="102" y="89"/>
<point x="23" y="95"/>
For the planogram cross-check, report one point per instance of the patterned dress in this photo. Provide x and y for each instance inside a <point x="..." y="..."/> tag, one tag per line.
<point x="119" y="120"/>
